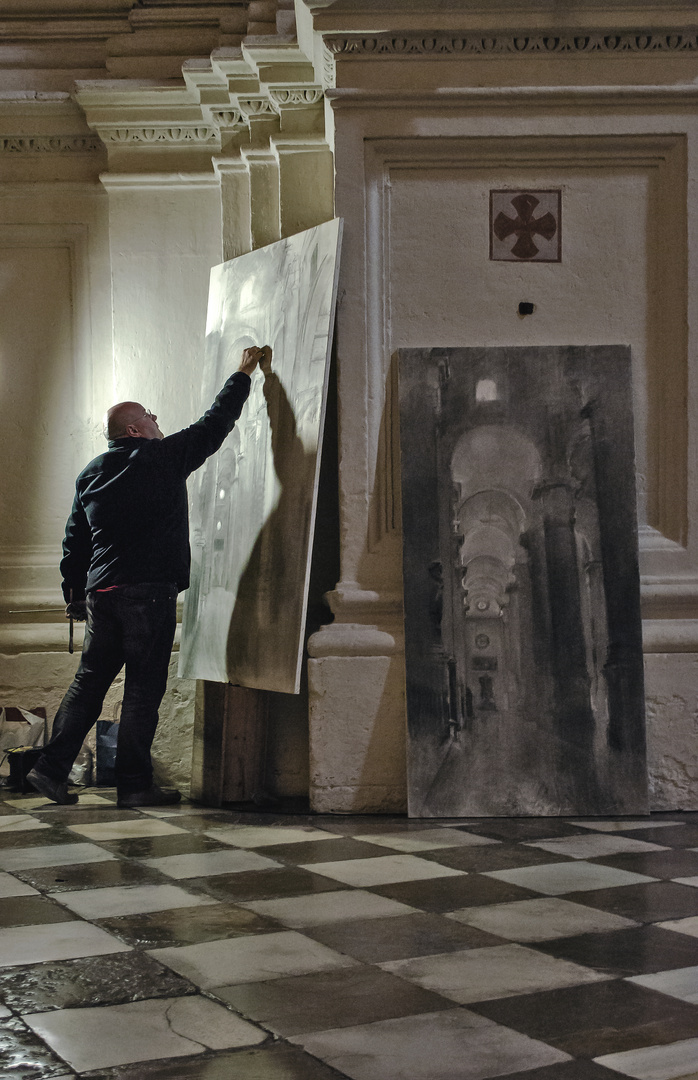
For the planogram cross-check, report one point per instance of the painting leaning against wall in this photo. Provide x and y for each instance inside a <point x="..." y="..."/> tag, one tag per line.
<point x="522" y="591"/>
<point x="253" y="504"/>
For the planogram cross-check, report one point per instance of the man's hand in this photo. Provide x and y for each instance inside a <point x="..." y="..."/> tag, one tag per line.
<point x="77" y="609"/>
<point x="251" y="357"/>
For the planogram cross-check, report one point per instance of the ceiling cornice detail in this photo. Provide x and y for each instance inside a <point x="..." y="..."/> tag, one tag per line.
<point x="168" y="135"/>
<point x="49" y="144"/>
<point x="513" y="43"/>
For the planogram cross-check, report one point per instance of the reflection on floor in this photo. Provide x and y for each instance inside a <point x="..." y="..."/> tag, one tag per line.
<point x="193" y="943"/>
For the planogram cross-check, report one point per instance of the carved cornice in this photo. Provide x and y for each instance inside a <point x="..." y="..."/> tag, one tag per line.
<point x="256" y="106"/>
<point x="171" y="135"/>
<point x="49" y="144"/>
<point x="295" y="96"/>
<point x="569" y="43"/>
<point x="227" y="118"/>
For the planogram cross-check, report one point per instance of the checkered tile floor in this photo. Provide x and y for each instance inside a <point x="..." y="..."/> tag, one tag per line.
<point x="193" y="943"/>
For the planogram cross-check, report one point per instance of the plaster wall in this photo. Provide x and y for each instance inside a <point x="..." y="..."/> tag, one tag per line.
<point x="102" y="298"/>
<point x="117" y="197"/>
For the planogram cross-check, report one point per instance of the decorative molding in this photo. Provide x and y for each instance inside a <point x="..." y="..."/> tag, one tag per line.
<point x="172" y="135"/>
<point x="670" y="635"/>
<point x="49" y="144"/>
<point x="574" y="43"/>
<point x="329" y="68"/>
<point x="256" y="106"/>
<point x="295" y="96"/>
<point x="149" y="181"/>
<point x="479" y="97"/>
<point x="226" y="118"/>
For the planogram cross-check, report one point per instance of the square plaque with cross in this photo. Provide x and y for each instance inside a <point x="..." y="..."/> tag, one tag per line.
<point x="525" y="226"/>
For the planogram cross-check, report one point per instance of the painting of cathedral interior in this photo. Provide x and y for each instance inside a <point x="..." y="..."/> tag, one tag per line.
<point x="522" y="604"/>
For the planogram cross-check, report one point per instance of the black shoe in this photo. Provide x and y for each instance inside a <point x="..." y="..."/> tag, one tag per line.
<point x="153" y="796"/>
<point x="52" y="789"/>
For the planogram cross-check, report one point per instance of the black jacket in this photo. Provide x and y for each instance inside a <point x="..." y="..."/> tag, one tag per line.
<point x="130" y="522"/>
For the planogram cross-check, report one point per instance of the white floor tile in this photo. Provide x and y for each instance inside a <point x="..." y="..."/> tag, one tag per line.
<point x="655" y="1062"/>
<point x="55" y="941"/>
<point x="450" y="1045"/>
<point x="253" y="836"/>
<point x="594" y="846"/>
<point x="126" y="830"/>
<point x="382" y="870"/>
<point x="426" y="839"/>
<point x="687" y="880"/>
<point x="554" y="879"/>
<point x="679" y="983"/>
<point x="208" y="863"/>
<point x="250" y="959"/>
<point x="128" y="900"/>
<point x="52" y="855"/>
<point x="21" y="823"/>
<point x="97" y="1038"/>
<point x="682" y="926"/>
<point x="31" y="802"/>
<point x="539" y="920"/>
<point x="328" y="907"/>
<point x="626" y="825"/>
<point x="495" y="972"/>
<point x="184" y="809"/>
<point x="12" y="886"/>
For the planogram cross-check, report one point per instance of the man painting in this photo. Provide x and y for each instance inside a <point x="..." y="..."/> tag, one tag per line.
<point x="126" y="556"/>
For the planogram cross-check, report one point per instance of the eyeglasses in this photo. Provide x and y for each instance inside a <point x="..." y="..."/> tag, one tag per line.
<point x="147" y="412"/>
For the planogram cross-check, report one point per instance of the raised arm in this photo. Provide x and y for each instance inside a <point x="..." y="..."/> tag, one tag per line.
<point x="201" y="439"/>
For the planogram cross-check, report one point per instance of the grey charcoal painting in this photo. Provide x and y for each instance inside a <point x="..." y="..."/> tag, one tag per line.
<point x="522" y="597"/>
<point x="253" y="503"/>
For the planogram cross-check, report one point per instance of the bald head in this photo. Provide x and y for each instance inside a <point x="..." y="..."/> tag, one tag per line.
<point x="129" y="419"/>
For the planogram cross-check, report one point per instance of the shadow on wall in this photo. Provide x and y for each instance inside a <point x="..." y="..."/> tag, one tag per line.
<point x="267" y="599"/>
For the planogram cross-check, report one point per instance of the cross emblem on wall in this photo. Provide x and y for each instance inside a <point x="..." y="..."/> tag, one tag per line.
<point x="525" y="226"/>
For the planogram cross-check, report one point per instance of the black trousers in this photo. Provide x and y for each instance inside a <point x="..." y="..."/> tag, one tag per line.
<point x="132" y="625"/>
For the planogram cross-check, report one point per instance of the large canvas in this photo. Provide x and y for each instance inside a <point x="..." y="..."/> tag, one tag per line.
<point x="522" y="599"/>
<point x="253" y="503"/>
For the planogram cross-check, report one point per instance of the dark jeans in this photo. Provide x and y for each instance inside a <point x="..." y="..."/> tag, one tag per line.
<point x="132" y="625"/>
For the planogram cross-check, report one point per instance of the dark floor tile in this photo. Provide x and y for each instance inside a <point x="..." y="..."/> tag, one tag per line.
<point x="186" y="926"/>
<point x="89" y="876"/>
<point x="73" y="815"/>
<point x="155" y="847"/>
<point x="330" y="999"/>
<point x="672" y="863"/>
<point x="683" y="836"/>
<point x="198" y="823"/>
<point x="451" y="893"/>
<point x="7" y="811"/>
<point x="272" y="1063"/>
<point x="604" y="1018"/>
<point x="397" y="938"/>
<point x="653" y="901"/>
<point x="567" y="1070"/>
<point x="636" y="951"/>
<point x="364" y="824"/>
<point x="486" y="858"/>
<point x="322" y="851"/>
<point x="95" y="980"/>
<point x="24" y="1056"/>
<point x="36" y="838"/>
<point x="31" y="910"/>
<point x="264" y="884"/>
<point x="515" y="829"/>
